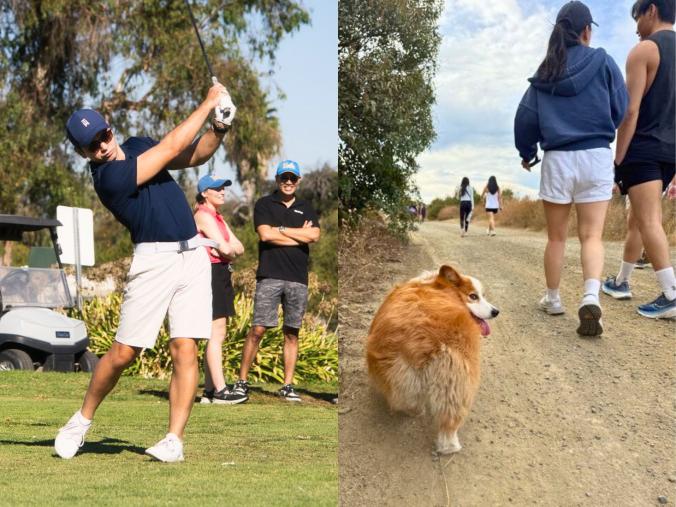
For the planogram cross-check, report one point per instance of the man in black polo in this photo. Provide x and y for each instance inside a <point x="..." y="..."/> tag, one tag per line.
<point x="285" y="226"/>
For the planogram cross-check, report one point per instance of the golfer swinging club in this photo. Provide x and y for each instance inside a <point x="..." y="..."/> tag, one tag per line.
<point x="169" y="272"/>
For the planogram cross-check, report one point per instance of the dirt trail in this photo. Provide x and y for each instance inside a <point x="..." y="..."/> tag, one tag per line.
<point x="558" y="420"/>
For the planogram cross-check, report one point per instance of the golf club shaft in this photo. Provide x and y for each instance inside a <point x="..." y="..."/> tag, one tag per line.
<point x="199" y="39"/>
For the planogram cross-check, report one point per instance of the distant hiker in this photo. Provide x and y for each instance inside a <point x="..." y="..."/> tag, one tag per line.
<point x="491" y="194"/>
<point x="465" y="193"/>
<point x="575" y="102"/>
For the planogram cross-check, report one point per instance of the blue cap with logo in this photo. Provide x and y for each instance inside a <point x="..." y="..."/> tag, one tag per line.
<point x="83" y="125"/>
<point x="208" y="181"/>
<point x="288" y="166"/>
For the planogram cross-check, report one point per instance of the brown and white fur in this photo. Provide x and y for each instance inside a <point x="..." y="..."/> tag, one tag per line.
<point x="423" y="348"/>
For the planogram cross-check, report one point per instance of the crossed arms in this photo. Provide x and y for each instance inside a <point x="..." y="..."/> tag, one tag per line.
<point x="290" y="236"/>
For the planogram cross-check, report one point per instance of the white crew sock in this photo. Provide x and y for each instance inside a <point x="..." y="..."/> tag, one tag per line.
<point x="625" y="272"/>
<point x="82" y="419"/>
<point x="591" y="291"/>
<point x="667" y="281"/>
<point x="553" y="294"/>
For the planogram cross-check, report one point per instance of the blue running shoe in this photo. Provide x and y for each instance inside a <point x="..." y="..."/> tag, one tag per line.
<point x="661" y="308"/>
<point x="616" y="290"/>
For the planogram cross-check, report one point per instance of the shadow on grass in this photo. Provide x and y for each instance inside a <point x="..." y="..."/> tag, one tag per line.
<point x="316" y="396"/>
<point x="105" y="446"/>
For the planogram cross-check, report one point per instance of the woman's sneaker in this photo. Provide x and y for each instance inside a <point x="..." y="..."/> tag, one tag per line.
<point x="590" y="320"/>
<point x="616" y="290"/>
<point x="288" y="393"/>
<point x="661" y="308"/>
<point x="227" y="397"/>
<point x="207" y="397"/>
<point x="168" y="450"/>
<point x="552" y="307"/>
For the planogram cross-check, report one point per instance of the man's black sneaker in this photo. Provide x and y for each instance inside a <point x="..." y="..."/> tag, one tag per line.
<point x="240" y="387"/>
<point x="227" y="397"/>
<point x="288" y="393"/>
<point x="207" y="397"/>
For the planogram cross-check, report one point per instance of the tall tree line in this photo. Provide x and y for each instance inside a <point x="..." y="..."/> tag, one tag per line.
<point x="387" y="60"/>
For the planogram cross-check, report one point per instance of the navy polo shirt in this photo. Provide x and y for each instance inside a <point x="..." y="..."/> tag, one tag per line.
<point x="283" y="262"/>
<point x="154" y="211"/>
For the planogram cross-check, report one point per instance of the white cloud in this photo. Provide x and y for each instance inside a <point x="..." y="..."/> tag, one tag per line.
<point x="441" y="170"/>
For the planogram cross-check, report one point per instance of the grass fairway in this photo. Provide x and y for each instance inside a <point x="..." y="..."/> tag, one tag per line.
<point x="264" y="452"/>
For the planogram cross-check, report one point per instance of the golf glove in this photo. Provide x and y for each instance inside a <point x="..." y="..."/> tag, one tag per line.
<point x="225" y="111"/>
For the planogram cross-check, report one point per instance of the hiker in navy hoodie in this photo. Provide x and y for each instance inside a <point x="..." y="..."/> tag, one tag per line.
<point x="575" y="102"/>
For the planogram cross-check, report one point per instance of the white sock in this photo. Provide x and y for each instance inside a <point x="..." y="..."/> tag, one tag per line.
<point x="667" y="281"/>
<point x="625" y="272"/>
<point x="591" y="291"/>
<point x="553" y="294"/>
<point x="82" y="419"/>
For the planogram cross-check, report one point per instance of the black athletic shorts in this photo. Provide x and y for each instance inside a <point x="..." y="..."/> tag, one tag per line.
<point x="222" y="292"/>
<point x="631" y="174"/>
<point x="491" y="210"/>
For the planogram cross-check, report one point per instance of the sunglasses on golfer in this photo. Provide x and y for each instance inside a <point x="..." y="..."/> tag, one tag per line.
<point x="288" y="177"/>
<point x="105" y="136"/>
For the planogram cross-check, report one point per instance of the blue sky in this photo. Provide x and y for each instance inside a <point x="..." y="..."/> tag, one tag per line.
<point x="488" y="50"/>
<point x="306" y="71"/>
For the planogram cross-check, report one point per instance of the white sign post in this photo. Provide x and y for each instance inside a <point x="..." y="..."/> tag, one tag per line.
<point x="76" y="237"/>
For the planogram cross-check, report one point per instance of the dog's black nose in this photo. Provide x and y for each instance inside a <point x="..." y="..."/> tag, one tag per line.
<point x="494" y="312"/>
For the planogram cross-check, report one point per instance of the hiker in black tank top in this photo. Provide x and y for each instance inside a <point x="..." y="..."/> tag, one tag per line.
<point x="645" y="156"/>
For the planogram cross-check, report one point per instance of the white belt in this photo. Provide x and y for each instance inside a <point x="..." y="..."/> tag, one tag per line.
<point x="174" y="246"/>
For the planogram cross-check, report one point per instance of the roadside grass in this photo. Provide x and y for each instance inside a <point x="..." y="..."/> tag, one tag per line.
<point x="264" y="452"/>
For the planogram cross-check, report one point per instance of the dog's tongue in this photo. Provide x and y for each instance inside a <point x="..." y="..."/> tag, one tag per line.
<point x="485" y="328"/>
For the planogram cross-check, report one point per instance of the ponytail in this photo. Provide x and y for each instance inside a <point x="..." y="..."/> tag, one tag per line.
<point x="199" y="199"/>
<point x="553" y="67"/>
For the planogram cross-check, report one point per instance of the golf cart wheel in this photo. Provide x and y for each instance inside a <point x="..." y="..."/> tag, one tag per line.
<point x="15" y="359"/>
<point x="87" y="361"/>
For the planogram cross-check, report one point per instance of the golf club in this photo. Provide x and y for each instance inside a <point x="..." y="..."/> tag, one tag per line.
<point x="199" y="39"/>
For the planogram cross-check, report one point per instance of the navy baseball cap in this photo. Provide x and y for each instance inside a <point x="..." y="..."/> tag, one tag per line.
<point x="577" y="14"/>
<point x="83" y="125"/>
<point x="208" y="181"/>
<point x="288" y="166"/>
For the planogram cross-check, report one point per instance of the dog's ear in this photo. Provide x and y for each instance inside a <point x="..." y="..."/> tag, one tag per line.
<point x="449" y="274"/>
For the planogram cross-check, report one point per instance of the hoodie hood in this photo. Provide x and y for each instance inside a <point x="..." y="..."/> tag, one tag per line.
<point x="581" y="66"/>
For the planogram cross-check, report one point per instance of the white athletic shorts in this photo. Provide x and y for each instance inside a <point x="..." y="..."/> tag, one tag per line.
<point x="577" y="176"/>
<point x="177" y="282"/>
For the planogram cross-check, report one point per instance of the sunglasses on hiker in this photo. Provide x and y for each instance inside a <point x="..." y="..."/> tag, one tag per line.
<point x="105" y="136"/>
<point x="289" y="177"/>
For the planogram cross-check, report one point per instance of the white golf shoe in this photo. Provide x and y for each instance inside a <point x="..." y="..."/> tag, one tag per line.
<point x="168" y="450"/>
<point x="70" y="438"/>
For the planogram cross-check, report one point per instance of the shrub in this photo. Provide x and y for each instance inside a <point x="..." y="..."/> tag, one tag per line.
<point x="317" y="348"/>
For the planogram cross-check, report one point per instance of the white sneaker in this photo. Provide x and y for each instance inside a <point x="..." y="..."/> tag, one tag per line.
<point x="70" y="438"/>
<point x="551" y="307"/>
<point x="168" y="450"/>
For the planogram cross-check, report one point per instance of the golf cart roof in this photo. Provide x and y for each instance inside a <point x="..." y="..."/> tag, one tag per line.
<point x="12" y="227"/>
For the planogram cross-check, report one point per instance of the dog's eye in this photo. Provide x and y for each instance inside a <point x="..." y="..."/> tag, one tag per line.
<point x="473" y="297"/>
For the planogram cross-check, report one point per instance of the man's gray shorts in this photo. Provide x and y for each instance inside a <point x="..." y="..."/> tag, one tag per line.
<point x="269" y="293"/>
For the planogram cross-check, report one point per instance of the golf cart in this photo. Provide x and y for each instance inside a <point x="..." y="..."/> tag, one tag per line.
<point x="32" y="335"/>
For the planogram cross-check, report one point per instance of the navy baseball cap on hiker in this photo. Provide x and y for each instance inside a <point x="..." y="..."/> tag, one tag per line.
<point x="577" y="14"/>
<point x="83" y="125"/>
<point x="208" y="181"/>
<point x="288" y="166"/>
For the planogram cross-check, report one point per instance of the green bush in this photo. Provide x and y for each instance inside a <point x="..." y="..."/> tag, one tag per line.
<point x="317" y="348"/>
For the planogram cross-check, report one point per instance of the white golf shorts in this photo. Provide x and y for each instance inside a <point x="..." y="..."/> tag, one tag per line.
<point x="577" y="176"/>
<point x="173" y="282"/>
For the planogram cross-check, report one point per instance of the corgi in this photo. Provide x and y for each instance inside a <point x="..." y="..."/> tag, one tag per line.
<point x="423" y="346"/>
